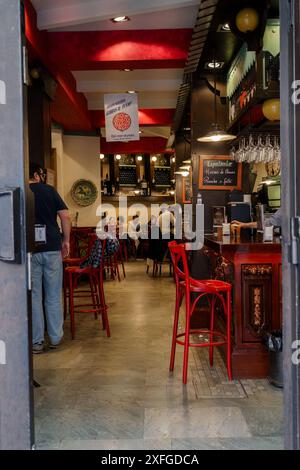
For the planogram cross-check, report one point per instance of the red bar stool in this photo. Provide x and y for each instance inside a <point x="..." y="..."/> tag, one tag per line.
<point x="215" y="291"/>
<point x="67" y="262"/>
<point x="98" y="305"/>
<point x="111" y="265"/>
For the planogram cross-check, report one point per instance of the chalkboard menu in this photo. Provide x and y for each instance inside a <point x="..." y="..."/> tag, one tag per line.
<point x="219" y="173"/>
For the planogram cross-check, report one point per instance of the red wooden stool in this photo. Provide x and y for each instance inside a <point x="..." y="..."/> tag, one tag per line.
<point x="98" y="305"/>
<point x="67" y="262"/>
<point x="215" y="290"/>
<point x="72" y="274"/>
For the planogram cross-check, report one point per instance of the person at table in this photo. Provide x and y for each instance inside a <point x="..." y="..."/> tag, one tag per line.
<point x="275" y="220"/>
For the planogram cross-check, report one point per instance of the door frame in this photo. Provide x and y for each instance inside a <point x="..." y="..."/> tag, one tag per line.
<point x="16" y="391"/>
<point x="290" y="148"/>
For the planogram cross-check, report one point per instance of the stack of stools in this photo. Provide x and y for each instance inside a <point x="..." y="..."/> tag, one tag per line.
<point x="216" y="292"/>
<point x="72" y="274"/>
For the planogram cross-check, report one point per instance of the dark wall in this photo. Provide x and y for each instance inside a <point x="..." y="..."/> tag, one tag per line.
<point x="183" y="152"/>
<point x="202" y="116"/>
<point x="39" y="124"/>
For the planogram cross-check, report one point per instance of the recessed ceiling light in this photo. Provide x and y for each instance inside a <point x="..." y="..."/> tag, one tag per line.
<point x="118" y="157"/>
<point x="173" y="159"/>
<point x="225" y="27"/>
<point x="101" y="156"/>
<point x="120" y="19"/>
<point x="127" y="70"/>
<point x="130" y="91"/>
<point x="154" y="159"/>
<point x="214" y="65"/>
<point x="139" y="158"/>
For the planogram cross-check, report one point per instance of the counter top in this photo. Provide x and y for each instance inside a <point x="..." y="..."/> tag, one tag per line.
<point x="244" y="244"/>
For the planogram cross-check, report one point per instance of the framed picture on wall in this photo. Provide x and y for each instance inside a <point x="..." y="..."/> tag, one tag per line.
<point x="219" y="172"/>
<point x="187" y="189"/>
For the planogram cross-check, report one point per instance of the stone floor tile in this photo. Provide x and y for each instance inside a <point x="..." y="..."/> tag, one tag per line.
<point x="117" y="392"/>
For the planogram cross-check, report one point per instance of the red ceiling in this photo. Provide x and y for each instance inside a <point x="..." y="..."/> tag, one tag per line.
<point x="95" y="50"/>
<point x="98" y="50"/>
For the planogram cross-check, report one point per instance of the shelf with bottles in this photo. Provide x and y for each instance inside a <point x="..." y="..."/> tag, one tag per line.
<point x="260" y="83"/>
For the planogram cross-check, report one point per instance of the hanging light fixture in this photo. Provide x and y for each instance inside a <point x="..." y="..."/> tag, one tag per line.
<point x="216" y="133"/>
<point x="185" y="167"/>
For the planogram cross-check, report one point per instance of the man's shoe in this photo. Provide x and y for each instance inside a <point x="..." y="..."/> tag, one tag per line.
<point x="56" y="345"/>
<point x="38" y="348"/>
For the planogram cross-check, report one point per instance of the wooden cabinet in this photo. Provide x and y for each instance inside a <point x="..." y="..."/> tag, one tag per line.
<point x="254" y="269"/>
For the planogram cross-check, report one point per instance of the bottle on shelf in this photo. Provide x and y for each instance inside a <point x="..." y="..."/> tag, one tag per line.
<point x="144" y="186"/>
<point x="105" y="188"/>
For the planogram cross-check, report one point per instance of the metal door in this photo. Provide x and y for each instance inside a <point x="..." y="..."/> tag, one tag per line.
<point x="16" y="417"/>
<point x="290" y="148"/>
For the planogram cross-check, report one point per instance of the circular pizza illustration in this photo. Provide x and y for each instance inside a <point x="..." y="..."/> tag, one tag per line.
<point x="122" y="122"/>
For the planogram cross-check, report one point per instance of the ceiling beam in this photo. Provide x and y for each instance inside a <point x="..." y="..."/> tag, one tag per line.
<point x="147" y="117"/>
<point x="99" y="50"/>
<point x="87" y="11"/>
<point x="144" y="145"/>
<point x="92" y="86"/>
<point x="146" y="101"/>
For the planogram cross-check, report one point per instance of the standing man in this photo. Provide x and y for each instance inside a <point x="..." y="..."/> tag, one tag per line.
<point x="47" y="271"/>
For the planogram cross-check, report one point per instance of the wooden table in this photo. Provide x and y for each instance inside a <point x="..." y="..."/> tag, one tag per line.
<point x="254" y="269"/>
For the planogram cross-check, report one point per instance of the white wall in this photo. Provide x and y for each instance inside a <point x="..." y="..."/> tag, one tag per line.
<point x="81" y="161"/>
<point x="261" y="171"/>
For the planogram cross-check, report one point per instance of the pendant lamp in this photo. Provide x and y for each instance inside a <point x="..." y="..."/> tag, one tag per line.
<point x="216" y="133"/>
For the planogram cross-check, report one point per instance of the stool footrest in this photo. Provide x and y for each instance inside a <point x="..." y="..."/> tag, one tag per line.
<point x="203" y="344"/>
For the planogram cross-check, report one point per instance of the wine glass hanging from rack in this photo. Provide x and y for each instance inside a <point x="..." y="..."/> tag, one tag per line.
<point x="256" y="148"/>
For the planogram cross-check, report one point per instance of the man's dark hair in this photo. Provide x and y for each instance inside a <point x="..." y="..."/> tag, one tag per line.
<point x="35" y="168"/>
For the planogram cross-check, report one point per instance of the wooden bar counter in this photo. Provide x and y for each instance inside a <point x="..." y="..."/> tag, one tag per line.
<point x="254" y="269"/>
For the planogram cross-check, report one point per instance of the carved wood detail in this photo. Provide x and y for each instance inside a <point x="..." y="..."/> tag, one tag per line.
<point x="224" y="270"/>
<point x="257" y="307"/>
<point x="257" y="269"/>
<point x="257" y="295"/>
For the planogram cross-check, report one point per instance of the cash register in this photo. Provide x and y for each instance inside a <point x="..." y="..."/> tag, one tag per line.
<point x="239" y="207"/>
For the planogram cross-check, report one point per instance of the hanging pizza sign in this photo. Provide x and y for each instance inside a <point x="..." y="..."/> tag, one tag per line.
<point x="121" y="117"/>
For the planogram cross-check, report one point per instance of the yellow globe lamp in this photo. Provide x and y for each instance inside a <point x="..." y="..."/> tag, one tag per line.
<point x="247" y="20"/>
<point x="271" y="109"/>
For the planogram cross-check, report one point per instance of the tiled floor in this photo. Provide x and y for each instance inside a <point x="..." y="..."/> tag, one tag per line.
<point x="117" y="393"/>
